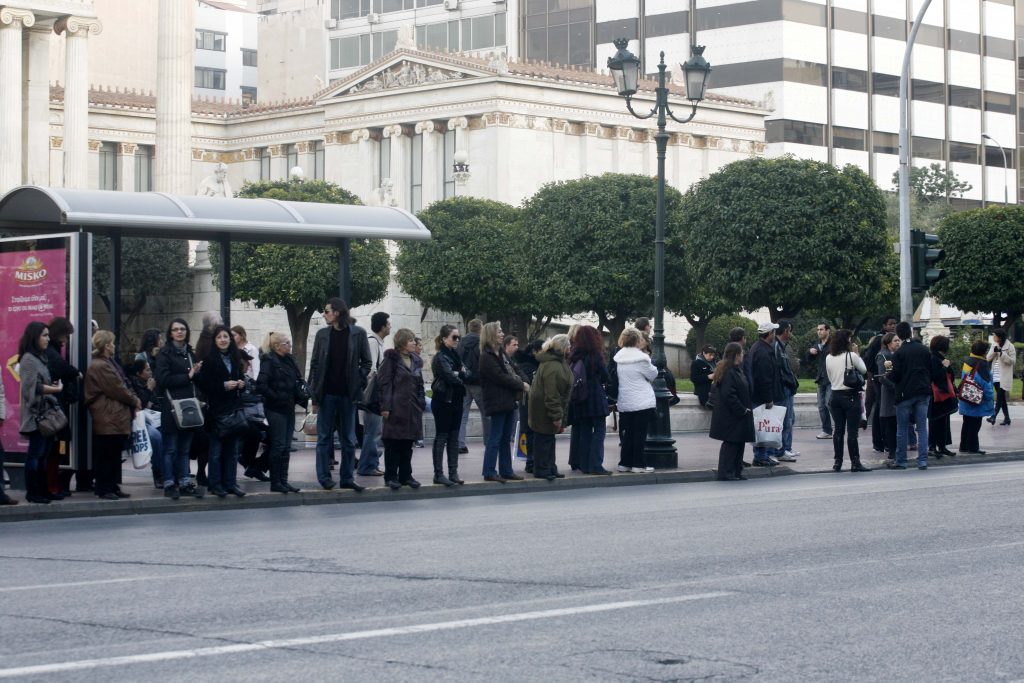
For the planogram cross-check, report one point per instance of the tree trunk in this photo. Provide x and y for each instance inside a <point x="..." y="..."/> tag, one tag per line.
<point x="298" y="325"/>
<point x="615" y="326"/>
<point x="1011" y="324"/>
<point x="700" y="329"/>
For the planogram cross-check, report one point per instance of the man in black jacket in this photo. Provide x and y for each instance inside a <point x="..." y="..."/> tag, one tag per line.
<point x="814" y="359"/>
<point x="469" y="352"/>
<point x="766" y="387"/>
<point x="337" y="375"/>
<point x="871" y="391"/>
<point x="911" y="373"/>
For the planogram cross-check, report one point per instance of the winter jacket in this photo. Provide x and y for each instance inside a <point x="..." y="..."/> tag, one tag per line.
<point x="635" y="372"/>
<point x="64" y="371"/>
<point x="886" y="401"/>
<point x="276" y="383"/>
<point x="941" y="377"/>
<point x="731" y="418"/>
<point x="983" y="377"/>
<point x="1002" y="371"/>
<point x="359" y="362"/>
<point x="447" y="386"/>
<point x="172" y="368"/>
<point x="596" y="403"/>
<point x="500" y="384"/>
<point x="469" y="352"/>
<point x="33" y="373"/>
<point x="549" y="392"/>
<point x="765" y="374"/>
<point x="401" y="396"/>
<point x="789" y="381"/>
<point x="527" y="364"/>
<point x="816" y="361"/>
<point x="912" y="370"/>
<point x="211" y="378"/>
<point x="109" y="399"/>
<point x="699" y="371"/>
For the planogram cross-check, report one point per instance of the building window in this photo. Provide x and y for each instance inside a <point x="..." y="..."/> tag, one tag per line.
<point x="886" y="143"/>
<point x="927" y="91"/>
<point x="885" y="84"/>
<point x="993" y="157"/>
<point x="383" y="160"/>
<point x="144" y="168"/>
<point x="384" y="43"/>
<point x="348" y="9"/>
<point x="927" y="148"/>
<point x="292" y="153"/>
<point x="666" y="24"/>
<point x="350" y="52"/>
<point x="889" y="27"/>
<point x="248" y="94"/>
<point x="447" y="159"/>
<point x="265" y="164"/>
<point x="416" y="175"/>
<point x="108" y="166"/>
<point x="849" y="79"/>
<point x="849" y="20"/>
<point x="248" y="57"/>
<point x="848" y="138"/>
<point x="1000" y="102"/>
<point x="1000" y="48"/>
<point x="963" y="152"/>
<point x="319" y="157"/>
<point x="961" y="96"/>
<point x="212" y="79"/>
<point x="800" y="132"/>
<point x="962" y="41"/>
<point x="211" y="40"/>
<point x="558" y="31"/>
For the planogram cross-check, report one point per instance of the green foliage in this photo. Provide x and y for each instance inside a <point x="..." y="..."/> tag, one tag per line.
<point x="149" y="267"/>
<point x="984" y="250"/>
<point x="474" y="262"/>
<point x="933" y="183"/>
<point x="790" y="234"/>
<point x="300" y="278"/>
<point x="591" y="245"/>
<point x="717" y="333"/>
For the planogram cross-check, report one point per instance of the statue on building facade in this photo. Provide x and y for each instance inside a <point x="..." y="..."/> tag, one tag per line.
<point x="216" y="185"/>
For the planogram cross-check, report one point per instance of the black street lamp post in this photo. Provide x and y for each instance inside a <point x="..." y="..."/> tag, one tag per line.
<point x="625" y="68"/>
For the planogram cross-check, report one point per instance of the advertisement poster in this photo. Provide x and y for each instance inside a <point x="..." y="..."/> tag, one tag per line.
<point x="33" y="286"/>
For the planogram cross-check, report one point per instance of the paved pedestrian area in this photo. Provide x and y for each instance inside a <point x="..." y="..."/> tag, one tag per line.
<point x="698" y="458"/>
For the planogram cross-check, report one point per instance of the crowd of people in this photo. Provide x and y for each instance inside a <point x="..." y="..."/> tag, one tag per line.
<point x="226" y="403"/>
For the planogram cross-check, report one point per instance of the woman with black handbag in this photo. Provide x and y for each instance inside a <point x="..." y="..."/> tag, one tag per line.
<point x="176" y="370"/>
<point x="222" y="379"/>
<point x="282" y="388"/>
<point x="36" y="396"/>
<point x="944" y="402"/>
<point x="846" y="375"/>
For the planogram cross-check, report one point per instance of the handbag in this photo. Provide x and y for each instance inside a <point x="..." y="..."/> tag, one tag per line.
<point x="970" y="391"/>
<point x="252" y="408"/>
<point x="852" y="379"/>
<point x="230" y="424"/>
<point x="188" y="414"/>
<point x="308" y="426"/>
<point x="301" y="392"/>
<point x="940" y="395"/>
<point x="370" y="401"/>
<point x="579" y="382"/>
<point x="51" y="419"/>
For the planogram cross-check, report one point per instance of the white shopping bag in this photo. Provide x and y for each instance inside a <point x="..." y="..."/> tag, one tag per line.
<point x="768" y="425"/>
<point x="152" y="418"/>
<point x="139" y="447"/>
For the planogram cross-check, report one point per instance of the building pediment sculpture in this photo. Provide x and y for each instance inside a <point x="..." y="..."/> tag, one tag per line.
<point x="403" y="75"/>
<point x="216" y="185"/>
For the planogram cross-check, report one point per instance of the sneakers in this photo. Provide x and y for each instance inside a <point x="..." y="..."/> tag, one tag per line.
<point x="823" y="435"/>
<point x="639" y="470"/>
<point x="788" y="456"/>
<point x="623" y="468"/>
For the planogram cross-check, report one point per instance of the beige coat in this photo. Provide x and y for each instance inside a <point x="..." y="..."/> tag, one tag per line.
<point x="1006" y="361"/>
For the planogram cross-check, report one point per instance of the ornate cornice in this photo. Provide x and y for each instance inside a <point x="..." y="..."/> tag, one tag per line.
<point x="10" y="16"/>
<point x="128" y="148"/>
<point x="78" y="25"/>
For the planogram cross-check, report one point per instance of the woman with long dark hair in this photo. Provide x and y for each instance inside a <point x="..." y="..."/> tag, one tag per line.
<point x="732" y="421"/>
<point x="222" y="379"/>
<point x="502" y="389"/>
<point x="277" y="384"/>
<point x="845" y="402"/>
<point x="149" y="347"/>
<point x="588" y="415"/>
<point x="447" y="391"/>
<point x="37" y="390"/>
<point x="111" y="404"/>
<point x="944" y="402"/>
<point x="885" y="402"/>
<point x="176" y="370"/>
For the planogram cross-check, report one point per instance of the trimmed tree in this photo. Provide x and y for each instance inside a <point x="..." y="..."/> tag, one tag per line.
<point x="933" y="183"/>
<point x="789" y="234"/>
<point x="984" y="250"/>
<point x="301" y="279"/>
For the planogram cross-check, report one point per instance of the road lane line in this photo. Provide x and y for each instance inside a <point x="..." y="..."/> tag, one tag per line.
<point x="170" y="655"/>
<point x="73" y="584"/>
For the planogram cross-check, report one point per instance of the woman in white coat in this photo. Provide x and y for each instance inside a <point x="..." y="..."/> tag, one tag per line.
<point x="635" y="400"/>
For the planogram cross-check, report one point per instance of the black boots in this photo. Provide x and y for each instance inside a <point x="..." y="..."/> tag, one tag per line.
<point x="279" y="476"/>
<point x="440" y="441"/>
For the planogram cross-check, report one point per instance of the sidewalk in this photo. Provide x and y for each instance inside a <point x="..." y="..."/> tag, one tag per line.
<point x="698" y="457"/>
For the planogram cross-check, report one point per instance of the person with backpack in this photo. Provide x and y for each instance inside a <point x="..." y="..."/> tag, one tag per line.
<point x="469" y="353"/>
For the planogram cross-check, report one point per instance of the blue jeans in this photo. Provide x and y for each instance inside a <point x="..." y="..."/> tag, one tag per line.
<point x="824" y="398"/>
<point x="591" y="443"/>
<point x="787" y="425"/>
<point x="156" y="462"/>
<point x="498" y="451"/>
<point x="369" y="455"/>
<point x="35" y="464"/>
<point x="177" y="444"/>
<point x="222" y="463"/>
<point x="336" y="413"/>
<point x="912" y="410"/>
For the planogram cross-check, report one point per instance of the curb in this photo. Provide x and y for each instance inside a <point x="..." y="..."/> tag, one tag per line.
<point x="147" y="506"/>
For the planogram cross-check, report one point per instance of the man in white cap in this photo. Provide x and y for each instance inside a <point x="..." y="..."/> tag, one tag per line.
<point x="766" y="379"/>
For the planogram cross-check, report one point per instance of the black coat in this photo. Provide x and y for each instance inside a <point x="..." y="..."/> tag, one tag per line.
<point x="699" y="371"/>
<point x="172" y="366"/>
<point x="448" y="374"/>
<point x="276" y="383"/>
<point x="359" y="362"/>
<point x="469" y="353"/>
<point x="941" y="377"/>
<point x="732" y="419"/>
<point x="401" y="396"/>
<point x="598" y="379"/>
<point x="500" y="385"/>
<point x="912" y="370"/>
<point x="211" y="378"/>
<point x="765" y="375"/>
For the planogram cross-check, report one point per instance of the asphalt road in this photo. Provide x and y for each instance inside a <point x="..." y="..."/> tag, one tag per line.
<point x="894" y="576"/>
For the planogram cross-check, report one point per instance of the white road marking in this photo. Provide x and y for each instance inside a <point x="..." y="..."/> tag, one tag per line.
<point x="239" y="648"/>
<point x="73" y="584"/>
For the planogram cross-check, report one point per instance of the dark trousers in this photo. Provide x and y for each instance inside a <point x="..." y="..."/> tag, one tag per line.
<point x="248" y="456"/>
<point x="939" y="433"/>
<point x="543" y="452"/>
<point x="871" y="395"/>
<point x="447" y="419"/>
<point x="845" y="410"/>
<point x="35" y="464"/>
<point x="398" y="459"/>
<point x="106" y="462"/>
<point x="633" y="428"/>
<point x="279" y="442"/>
<point x="889" y="434"/>
<point x="969" y="434"/>
<point x="1001" y="400"/>
<point x="575" y="434"/>
<point x="730" y="459"/>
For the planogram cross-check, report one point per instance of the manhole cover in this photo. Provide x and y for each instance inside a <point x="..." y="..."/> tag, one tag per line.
<point x="662" y="667"/>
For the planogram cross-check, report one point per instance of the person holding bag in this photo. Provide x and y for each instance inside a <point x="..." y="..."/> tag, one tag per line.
<point x="976" y="397"/>
<point x="402" y="402"/>
<point x="222" y="379"/>
<point x="176" y="370"/>
<point x="845" y="371"/>
<point x="279" y="384"/>
<point x="732" y="421"/>
<point x="37" y="395"/>
<point x="944" y="401"/>
<point x="111" y="404"/>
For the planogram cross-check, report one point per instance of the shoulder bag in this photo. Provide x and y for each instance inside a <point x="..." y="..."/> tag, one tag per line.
<point x="579" y="382"/>
<point x="970" y="391"/>
<point x="370" y="400"/>
<point x="852" y="379"/>
<point x="50" y="419"/>
<point x="188" y="414"/>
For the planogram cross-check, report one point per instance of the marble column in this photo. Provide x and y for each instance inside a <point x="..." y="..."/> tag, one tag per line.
<point x="433" y="162"/>
<point x="11" y="23"/>
<point x="279" y="162"/>
<point x="174" y="76"/>
<point x="460" y="124"/>
<point x="126" y="166"/>
<point x="76" y="97"/>
<point x="36" y="107"/>
<point x="400" y="153"/>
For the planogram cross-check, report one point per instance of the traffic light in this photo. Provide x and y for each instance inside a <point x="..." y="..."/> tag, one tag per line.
<point x="924" y="258"/>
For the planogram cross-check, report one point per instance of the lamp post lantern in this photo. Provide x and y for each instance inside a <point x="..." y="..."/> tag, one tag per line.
<point x="1006" y="194"/>
<point x="625" y="69"/>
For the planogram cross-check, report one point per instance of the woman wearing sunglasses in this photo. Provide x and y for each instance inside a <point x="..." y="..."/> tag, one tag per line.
<point x="448" y="391"/>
